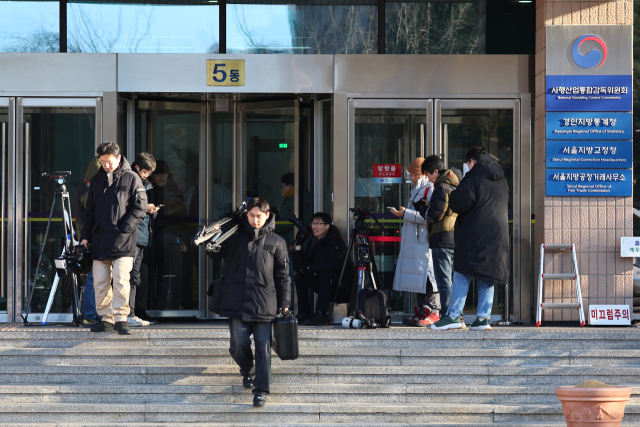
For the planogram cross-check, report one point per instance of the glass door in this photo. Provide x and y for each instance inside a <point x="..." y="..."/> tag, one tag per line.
<point x="172" y="133"/>
<point x="492" y="124"/>
<point x="52" y="135"/>
<point x="4" y="235"/>
<point x="269" y="137"/>
<point x="387" y="135"/>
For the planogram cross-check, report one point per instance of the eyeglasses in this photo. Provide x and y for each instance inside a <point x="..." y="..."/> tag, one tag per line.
<point x="409" y="175"/>
<point x="318" y="224"/>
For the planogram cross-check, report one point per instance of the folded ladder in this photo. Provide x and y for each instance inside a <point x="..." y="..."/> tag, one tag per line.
<point x="558" y="276"/>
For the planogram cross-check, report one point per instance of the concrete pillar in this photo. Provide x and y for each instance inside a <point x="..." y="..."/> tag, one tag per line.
<point x="594" y="224"/>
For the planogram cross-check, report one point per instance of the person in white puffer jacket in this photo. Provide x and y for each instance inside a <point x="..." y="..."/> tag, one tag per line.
<point x="414" y="270"/>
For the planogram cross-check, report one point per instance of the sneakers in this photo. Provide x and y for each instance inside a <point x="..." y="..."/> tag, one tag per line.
<point x="87" y="323"/>
<point x="259" y="400"/>
<point x="480" y="324"/>
<point x="144" y="322"/>
<point x="122" y="328"/>
<point x="428" y="320"/>
<point x="318" y="319"/>
<point x="447" y="322"/>
<point x="103" y="326"/>
<point x="133" y="323"/>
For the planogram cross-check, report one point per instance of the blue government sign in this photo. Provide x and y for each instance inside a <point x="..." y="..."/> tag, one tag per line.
<point x="589" y="182"/>
<point x="589" y="126"/>
<point x="589" y="154"/>
<point x="589" y="93"/>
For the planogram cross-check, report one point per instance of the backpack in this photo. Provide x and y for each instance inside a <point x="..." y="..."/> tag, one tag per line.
<point x="373" y="304"/>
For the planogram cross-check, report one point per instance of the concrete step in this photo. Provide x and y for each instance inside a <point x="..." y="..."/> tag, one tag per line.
<point x="236" y="424"/>
<point x="321" y="374"/>
<point x="215" y="413"/>
<point x="284" y="393"/>
<point x="526" y="338"/>
<point x="355" y="356"/>
<point x="315" y="414"/>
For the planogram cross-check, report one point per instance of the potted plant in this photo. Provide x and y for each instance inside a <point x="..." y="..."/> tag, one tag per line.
<point x="593" y="402"/>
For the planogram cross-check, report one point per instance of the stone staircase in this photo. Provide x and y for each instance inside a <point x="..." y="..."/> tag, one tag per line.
<point x="177" y="376"/>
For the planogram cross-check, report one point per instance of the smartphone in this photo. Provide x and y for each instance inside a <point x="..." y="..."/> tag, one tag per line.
<point x="391" y="208"/>
<point x="160" y="206"/>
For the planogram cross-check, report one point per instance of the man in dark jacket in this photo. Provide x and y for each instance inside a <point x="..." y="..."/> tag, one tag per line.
<point x="318" y="269"/>
<point x="481" y="238"/>
<point x="256" y="286"/>
<point x="144" y="165"/>
<point x="441" y="222"/>
<point x="117" y="203"/>
<point x="89" y="313"/>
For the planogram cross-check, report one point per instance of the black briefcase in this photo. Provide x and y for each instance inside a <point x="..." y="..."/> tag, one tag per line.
<point x="285" y="337"/>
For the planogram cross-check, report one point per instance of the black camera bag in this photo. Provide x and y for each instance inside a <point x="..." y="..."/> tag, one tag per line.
<point x="215" y="293"/>
<point x="373" y="305"/>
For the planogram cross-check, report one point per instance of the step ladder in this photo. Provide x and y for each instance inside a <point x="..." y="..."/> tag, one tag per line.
<point x="558" y="276"/>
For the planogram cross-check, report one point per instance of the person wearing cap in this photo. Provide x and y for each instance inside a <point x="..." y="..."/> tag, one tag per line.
<point x="414" y="270"/>
<point x="89" y="312"/>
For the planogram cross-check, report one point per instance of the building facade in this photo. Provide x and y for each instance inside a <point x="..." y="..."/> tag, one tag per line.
<point x="232" y="96"/>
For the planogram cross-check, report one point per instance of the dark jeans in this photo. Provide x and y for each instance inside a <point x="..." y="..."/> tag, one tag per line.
<point x="324" y="284"/>
<point x="135" y="279"/>
<point x="431" y="299"/>
<point x="443" y="270"/>
<point x="240" y="349"/>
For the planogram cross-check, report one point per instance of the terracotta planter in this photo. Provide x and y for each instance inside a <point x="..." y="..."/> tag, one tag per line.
<point x="602" y="407"/>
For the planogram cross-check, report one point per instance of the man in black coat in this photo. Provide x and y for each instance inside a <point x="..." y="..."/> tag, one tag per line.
<point x="117" y="203"/>
<point x="481" y="238"/>
<point x="256" y="287"/>
<point x="319" y="268"/>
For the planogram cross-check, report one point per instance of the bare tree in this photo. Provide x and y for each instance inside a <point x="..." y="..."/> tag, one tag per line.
<point x="39" y="41"/>
<point x="104" y="32"/>
<point x="436" y="28"/>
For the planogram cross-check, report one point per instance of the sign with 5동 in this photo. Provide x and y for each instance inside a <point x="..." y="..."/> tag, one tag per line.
<point x="225" y="72"/>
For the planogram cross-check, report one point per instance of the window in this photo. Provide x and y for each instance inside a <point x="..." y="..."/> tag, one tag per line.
<point x="142" y="28"/>
<point x="29" y="26"/>
<point x="431" y="27"/>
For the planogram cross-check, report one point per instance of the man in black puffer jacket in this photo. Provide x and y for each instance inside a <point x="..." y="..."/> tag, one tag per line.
<point x="481" y="238"/>
<point x="319" y="268"/>
<point x="117" y="203"/>
<point x="256" y="286"/>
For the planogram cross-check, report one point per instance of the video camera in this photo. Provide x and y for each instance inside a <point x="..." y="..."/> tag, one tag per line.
<point x="303" y="230"/>
<point x="58" y="176"/>
<point x="221" y="229"/>
<point x="361" y="214"/>
<point x="75" y="260"/>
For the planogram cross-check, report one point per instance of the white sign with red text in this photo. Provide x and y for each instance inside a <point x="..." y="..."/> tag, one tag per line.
<point x="609" y="315"/>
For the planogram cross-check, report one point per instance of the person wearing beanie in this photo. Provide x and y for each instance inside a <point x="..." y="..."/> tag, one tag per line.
<point x="90" y="315"/>
<point x="414" y="270"/>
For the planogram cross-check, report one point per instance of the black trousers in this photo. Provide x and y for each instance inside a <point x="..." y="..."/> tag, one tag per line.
<point x="240" y="349"/>
<point x="135" y="279"/>
<point x="324" y="284"/>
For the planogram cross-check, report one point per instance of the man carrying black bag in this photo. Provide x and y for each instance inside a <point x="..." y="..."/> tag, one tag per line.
<point x="256" y="287"/>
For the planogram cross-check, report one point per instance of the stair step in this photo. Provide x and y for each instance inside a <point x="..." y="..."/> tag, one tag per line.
<point x="237" y="414"/>
<point x="236" y="424"/>
<point x="284" y="393"/>
<point x="286" y="413"/>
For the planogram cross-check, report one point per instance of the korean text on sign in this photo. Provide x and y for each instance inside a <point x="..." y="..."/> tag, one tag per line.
<point x="225" y="72"/>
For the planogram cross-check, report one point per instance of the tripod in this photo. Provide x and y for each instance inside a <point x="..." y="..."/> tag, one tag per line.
<point x="69" y="277"/>
<point x="360" y="248"/>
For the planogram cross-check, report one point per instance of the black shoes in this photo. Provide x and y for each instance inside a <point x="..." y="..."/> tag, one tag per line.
<point x="318" y="319"/>
<point x="122" y="328"/>
<point x="259" y="400"/>
<point x="247" y="381"/>
<point x="103" y="326"/>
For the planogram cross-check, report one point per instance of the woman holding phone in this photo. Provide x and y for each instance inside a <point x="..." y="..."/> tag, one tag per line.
<point x="414" y="271"/>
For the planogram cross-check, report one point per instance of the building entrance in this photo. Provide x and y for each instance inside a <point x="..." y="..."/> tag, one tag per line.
<point x="391" y="133"/>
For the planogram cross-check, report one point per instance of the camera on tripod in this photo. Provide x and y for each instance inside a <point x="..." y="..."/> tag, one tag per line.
<point x="75" y="260"/>
<point x="58" y="176"/>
